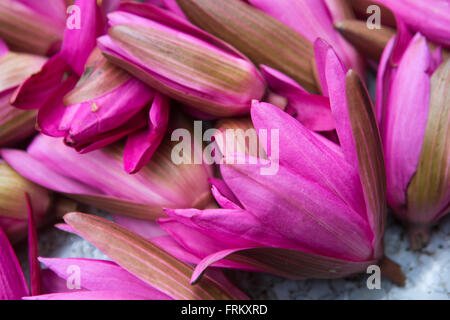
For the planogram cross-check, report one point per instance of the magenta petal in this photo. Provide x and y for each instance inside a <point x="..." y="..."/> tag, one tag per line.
<point x="406" y="118"/>
<point x="101" y="275"/>
<point x="35" y="267"/>
<point x="302" y="152"/>
<point x="191" y="245"/>
<point x="335" y="73"/>
<point x="223" y="189"/>
<point x="141" y="145"/>
<point x="313" y="111"/>
<point x="13" y="285"/>
<point x="39" y="173"/>
<point x="384" y="74"/>
<point x="34" y="91"/>
<point x="224" y="202"/>
<point x="88" y="295"/>
<point x="303" y="208"/>
<point x="107" y="138"/>
<point x="402" y="40"/>
<point x="52" y="111"/>
<point x="51" y="283"/>
<point x="3" y="48"/>
<point x="205" y="263"/>
<point x="321" y="51"/>
<point x="172" y="6"/>
<point x="431" y="17"/>
<point x="146" y="228"/>
<point x="78" y="43"/>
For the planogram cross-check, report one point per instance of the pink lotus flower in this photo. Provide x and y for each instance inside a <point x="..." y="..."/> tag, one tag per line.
<point x="106" y="105"/>
<point x="15" y="124"/>
<point x="413" y="109"/>
<point x="141" y="270"/>
<point x="97" y="178"/>
<point x="321" y="216"/>
<point x="180" y="60"/>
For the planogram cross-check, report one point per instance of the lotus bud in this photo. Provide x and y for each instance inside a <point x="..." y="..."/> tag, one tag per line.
<point x="98" y="179"/>
<point x="108" y="104"/>
<point x="362" y="10"/>
<point x="239" y="24"/>
<point x="417" y="143"/>
<point x="371" y="42"/>
<point x="33" y="26"/>
<point x="181" y="61"/>
<point x="15" y="124"/>
<point x="13" y="213"/>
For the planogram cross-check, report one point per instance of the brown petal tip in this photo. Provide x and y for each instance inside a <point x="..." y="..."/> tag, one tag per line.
<point x="419" y="236"/>
<point x="371" y="42"/>
<point x="392" y="271"/>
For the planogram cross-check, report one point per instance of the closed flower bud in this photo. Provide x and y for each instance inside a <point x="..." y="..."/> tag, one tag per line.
<point x="181" y="61"/>
<point x="414" y="115"/>
<point x="33" y="26"/>
<point x="15" y="124"/>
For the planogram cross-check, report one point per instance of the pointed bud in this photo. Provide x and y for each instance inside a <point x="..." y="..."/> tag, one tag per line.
<point x="361" y="9"/>
<point x="181" y="61"/>
<point x="428" y="192"/>
<point x="262" y="38"/>
<point x="15" y="124"/>
<point x="103" y="104"/>
<point x="371" y="42"/>
<point x="29" y="28"/>
<point x="13" y="205"/>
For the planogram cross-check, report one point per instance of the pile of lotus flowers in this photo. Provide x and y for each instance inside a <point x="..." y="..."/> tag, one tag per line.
<point x="218" y="134"/>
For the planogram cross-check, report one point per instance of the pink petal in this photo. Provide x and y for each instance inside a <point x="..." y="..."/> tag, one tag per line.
<point x="406" y="118"/>
<point x="145" y="228"/>
<point x="13" y="285"/>
<point x="141" y="145"/>
<point x="52" y="110"/>
<point x="313" y="111"/>
<point x="88" y="295"/>
<point x="304" y="153"/>
<point x="303" y="208"/>
<point x="100" y="275"/>
<point x="33" y="251"/>
<point x="78" y="43"/>
<point x="34" y="91"/>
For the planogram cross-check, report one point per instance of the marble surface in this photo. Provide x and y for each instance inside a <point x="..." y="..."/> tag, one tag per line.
<point x="427" y="271"/>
